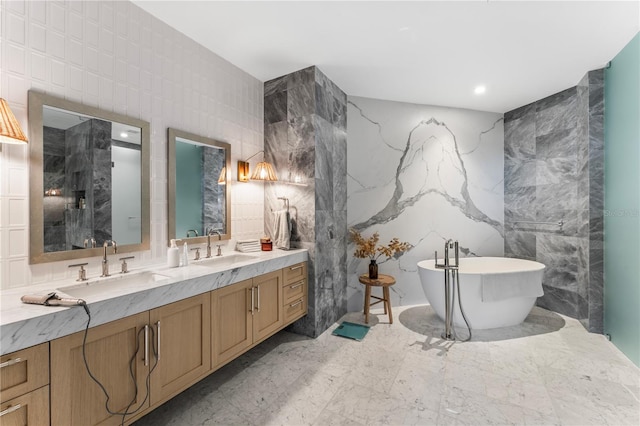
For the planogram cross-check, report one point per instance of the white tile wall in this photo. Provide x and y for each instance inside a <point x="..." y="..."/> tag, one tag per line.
<point x="117" y="57"/>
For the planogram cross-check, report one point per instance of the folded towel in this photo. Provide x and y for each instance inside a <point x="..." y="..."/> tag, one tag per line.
<point x="282" y="229"/>
<point x="497" y="287"/>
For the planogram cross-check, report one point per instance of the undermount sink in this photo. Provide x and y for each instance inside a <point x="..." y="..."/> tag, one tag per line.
<point x="220" y="261"/>
<point x="116" y="285"/>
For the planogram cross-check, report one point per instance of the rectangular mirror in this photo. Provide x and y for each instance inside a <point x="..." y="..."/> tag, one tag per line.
<point x="199" y="203"/>
<point x="89" y="180"/>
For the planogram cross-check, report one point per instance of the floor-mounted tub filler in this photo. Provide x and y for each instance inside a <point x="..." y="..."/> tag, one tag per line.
<point x="494" y="291"/>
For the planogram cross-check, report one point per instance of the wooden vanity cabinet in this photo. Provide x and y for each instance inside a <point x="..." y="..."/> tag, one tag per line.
<point x="24" y="390"/>
<point x="295" y="289"/>
<point x="244" y="314"/>
<point x="177" y="337"/>
<point x="183" y="338"/>
<point x="75" y="398"/>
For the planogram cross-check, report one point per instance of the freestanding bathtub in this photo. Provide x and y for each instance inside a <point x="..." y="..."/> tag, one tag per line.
<point x="495" y="291"/>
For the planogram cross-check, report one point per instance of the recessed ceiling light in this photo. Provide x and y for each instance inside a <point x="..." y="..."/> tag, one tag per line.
<point x="403" y="29"/>
<point x="124" y="135"/>
<point x="479" y="90"/>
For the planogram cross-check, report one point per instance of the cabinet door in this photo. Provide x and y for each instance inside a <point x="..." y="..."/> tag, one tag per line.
<point x="183" y="341"/>
<point x="31" y="409"/>
<point x="268" y="316"/>
<point x="231" y="321"/>
<point x="75" y="398"/>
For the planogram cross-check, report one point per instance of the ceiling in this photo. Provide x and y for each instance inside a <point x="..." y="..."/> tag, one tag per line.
<point x="425" y="52"/>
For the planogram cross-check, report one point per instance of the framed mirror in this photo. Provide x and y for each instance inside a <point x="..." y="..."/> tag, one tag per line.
<point x="89" y="180"/>
<point x="199" y="195"/>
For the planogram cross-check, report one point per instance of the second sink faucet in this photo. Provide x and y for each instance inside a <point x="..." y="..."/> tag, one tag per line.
<point x="210" y="232"/>
<point x="195" y="233"/>
<point x="105" y="261"/>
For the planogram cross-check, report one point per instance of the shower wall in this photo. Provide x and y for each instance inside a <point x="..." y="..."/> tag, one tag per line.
<point x="553" y="157"/>
<point x="305" y="138"/>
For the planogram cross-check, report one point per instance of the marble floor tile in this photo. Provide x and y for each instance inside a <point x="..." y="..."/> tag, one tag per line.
<point x="547" y="371"/>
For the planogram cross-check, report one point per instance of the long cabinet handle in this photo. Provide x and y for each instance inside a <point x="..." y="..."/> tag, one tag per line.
<point x="295" y="304"/>
<point x="293" y="268"/>
<point x="252" y="301"/>
<point x="146" y="345"/>
<point x="9" y="362"/>
<point x="258" y="288"/>
<point x="158" y="341"/>
<point x="296" y="285"/>
<point x="10" y="409"/>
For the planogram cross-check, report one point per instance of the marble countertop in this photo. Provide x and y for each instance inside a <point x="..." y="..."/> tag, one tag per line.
<point x="23" y="325"/>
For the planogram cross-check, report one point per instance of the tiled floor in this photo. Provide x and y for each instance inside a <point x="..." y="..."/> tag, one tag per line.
<point x="549" y="370"/>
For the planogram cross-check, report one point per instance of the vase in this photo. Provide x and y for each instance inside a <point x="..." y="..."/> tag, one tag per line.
<point x="373" y="270"/>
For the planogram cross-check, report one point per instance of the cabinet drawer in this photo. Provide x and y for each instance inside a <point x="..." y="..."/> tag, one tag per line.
<point x="294" y="290"/>
<point x="295" y="272"/>
<point x="31" y="409"/>
<point x="294" y="309"/>
<point x="23" y="371"/>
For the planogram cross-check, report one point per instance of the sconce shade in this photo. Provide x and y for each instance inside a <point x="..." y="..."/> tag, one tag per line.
<point x="222" y="179"/>
<point x="10" y="131"/>
<point x="53" y="192"/>
<point x="264" y="171"/>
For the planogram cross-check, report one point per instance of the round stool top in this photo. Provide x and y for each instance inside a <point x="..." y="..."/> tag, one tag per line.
<point x="381" y="281"/>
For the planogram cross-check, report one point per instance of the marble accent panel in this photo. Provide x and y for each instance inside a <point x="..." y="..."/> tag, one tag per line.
<point x="53" y="175"/>
<point x="305" y="138"/>
<point x="559" y="178"/>
<point x="423" y="174"/>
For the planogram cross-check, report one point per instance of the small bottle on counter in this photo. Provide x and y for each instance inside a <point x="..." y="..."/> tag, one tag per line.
<point x="173" y="255"/>
<point x="185" y="255"/>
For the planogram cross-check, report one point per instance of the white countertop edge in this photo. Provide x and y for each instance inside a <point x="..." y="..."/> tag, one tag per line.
<point x="23" y="325"/>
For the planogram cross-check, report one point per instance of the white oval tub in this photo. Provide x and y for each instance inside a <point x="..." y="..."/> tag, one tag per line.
<point x="519" y="283"/>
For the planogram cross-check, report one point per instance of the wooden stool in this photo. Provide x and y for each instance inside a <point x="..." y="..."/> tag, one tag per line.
<point x="384" y="281"/>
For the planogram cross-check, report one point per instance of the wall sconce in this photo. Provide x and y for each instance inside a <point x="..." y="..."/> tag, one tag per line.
<point x="10" y="130"/>
<point x="263" y="171"/>
<point x="53" y="192"/>
<point x="222" y="179"/>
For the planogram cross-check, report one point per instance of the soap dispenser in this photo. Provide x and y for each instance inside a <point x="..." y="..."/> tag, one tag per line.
<point x="173" y="255"/>
<point x="185" y="254"/>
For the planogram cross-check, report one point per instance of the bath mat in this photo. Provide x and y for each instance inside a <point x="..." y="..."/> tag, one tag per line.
<point x="351" y="331"/>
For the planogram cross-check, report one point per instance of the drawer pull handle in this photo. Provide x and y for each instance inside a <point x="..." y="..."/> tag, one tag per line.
<point x="11" y="409"/>
<point x="11" y="362"/>
<point x="146" y="345"/>
<point x="293" y="305"/>
<point x="296" y="285"/>
<point x="293" y="268"/>
<point x="158" y="341"/>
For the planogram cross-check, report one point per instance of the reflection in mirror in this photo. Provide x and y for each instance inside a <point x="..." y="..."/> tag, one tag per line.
<point x="198" y="194"/>
<point x="90" y="180"/>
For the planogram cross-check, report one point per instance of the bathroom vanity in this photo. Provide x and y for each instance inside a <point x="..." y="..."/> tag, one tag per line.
<point x="173" y="326"/>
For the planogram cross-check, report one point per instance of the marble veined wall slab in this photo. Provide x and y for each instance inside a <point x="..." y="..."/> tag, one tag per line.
<point x="423" y="174"/>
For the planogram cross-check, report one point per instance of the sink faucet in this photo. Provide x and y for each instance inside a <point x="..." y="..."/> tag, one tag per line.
<point x="105" y="261"/>
<point x="194" y="232"/>
<point x="210" y="232"/>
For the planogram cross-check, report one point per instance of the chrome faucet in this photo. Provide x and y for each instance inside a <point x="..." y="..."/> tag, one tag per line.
<point x="449" y="244"/>
<point x="105" y="261"/>
<point x="90" y="240"/>
<point x="194" y="232"/>
<point x="210" y="232"/>
<point x="449" y="333"/>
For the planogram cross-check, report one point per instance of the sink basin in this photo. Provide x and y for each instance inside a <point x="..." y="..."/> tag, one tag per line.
<point x="113" y="286"/>
<point x="220" y="261"/>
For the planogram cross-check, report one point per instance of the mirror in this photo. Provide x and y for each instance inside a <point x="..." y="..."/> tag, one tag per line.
<point x="89" y="180"/>
<point x="199" y="202"/>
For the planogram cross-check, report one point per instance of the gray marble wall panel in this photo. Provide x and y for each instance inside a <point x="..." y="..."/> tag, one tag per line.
<point x="305" y="138"/>
<point x="553" y="169"/>
<point x="424" y="174"/>
<point x="213" y="200"/>
<point x="53" y="157"/>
